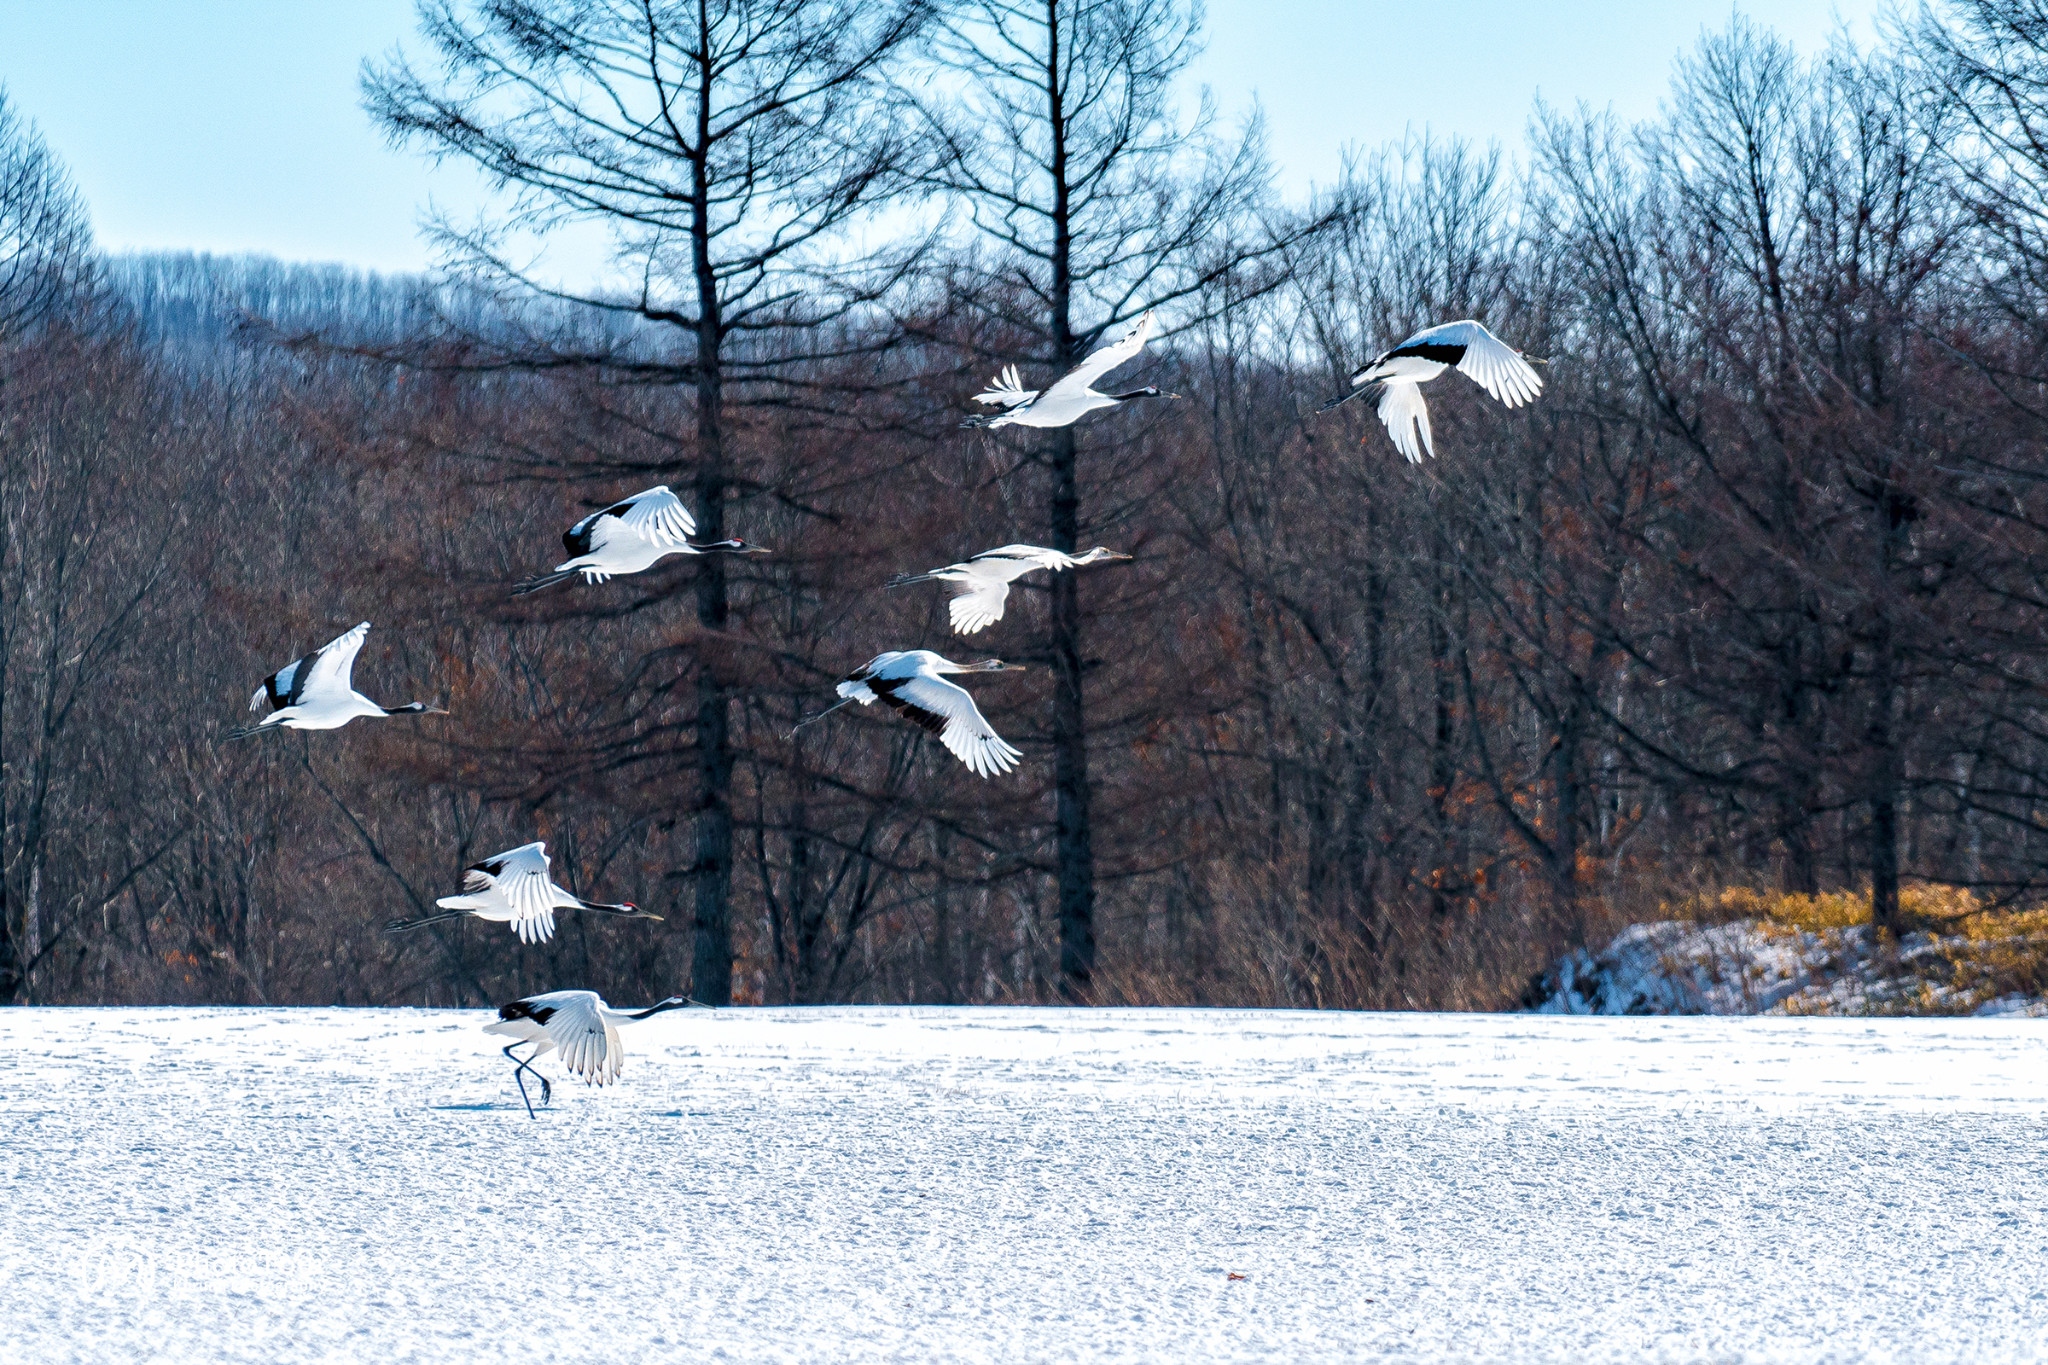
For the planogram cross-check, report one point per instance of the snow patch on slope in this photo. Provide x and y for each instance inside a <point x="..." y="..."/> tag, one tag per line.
<point x="1754" y="967"/>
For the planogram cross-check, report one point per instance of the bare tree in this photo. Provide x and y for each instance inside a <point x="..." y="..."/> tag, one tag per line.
<point x="45" y="243"/>
<point x="1096" y="202"/>
<point x="728" y="147"/>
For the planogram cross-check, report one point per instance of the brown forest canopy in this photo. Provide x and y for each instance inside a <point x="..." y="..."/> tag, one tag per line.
<point x="1756" y="593"/>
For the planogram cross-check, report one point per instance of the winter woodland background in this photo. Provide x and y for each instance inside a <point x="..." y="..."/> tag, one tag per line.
<point x="1756" y="596"/>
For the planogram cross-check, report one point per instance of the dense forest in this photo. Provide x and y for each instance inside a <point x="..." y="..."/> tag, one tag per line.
<point x="1755" y="594"/>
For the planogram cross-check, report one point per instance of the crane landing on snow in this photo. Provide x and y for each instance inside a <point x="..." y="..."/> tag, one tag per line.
<point x="581" y="1026"/>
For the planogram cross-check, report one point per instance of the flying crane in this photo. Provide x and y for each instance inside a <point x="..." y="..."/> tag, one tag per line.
<point x="984" y="581"/>
<point x="1073" y="395"/>
<point x="315" y="693"/>
<point x="1398" y="374"/>
<point x="515" y="888"/>
<point x="912" y="682"/>
<point x="630" y="536"/>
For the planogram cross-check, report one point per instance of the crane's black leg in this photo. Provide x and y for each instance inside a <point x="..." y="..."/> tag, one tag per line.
<point x="519" y="1065"/>
<point x="547" y="1089"/>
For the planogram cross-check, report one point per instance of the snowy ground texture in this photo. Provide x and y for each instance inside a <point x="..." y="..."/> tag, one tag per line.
<point x="999" y="1184"/>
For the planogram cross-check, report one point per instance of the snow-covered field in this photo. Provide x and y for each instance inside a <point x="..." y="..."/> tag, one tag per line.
<point x="829" y="1185"/>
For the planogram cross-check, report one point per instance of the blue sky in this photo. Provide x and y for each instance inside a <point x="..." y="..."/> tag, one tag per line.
<point x="233" y="125"/>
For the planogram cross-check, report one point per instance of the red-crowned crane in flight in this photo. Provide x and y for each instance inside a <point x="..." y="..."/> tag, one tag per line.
<point x="314" y="693"/>
<point x="912" y="682"/>
<point x="1398" y="374"/>
<point x="515" y="888"/>
<point x="630" y="536"/>
<point x="984" y="581"/>
<point x="1073" y="395"/>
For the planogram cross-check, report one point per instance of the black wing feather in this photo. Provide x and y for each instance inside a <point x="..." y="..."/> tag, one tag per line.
<point x="1429" y="350"/>
<point x="576" y="540"/>
<point x="929" y="720"/>
<point x="289" y="693"/>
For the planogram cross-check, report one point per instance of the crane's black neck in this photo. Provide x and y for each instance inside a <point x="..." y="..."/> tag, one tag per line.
<point x="1146" y="392"/>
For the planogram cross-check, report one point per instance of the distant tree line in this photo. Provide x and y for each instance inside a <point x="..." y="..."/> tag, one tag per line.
<point x="1755" y="594"/>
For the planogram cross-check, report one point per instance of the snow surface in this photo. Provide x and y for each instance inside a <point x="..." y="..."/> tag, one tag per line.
<point x="1018" y="1184"/>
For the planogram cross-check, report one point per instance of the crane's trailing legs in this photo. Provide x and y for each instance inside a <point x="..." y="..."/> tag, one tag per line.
<point x="547" y="1092"/>
<point x="813" y="720"/>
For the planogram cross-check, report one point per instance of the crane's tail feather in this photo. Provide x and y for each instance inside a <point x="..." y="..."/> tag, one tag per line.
<point x="545" y="580"/>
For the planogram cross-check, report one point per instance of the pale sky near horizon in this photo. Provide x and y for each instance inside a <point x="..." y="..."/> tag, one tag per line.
<point x="235" y="125"/>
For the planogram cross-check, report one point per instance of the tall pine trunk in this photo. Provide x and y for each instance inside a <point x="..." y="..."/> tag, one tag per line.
<point x="711" y="954"/>
<point x="1073" y="839"/>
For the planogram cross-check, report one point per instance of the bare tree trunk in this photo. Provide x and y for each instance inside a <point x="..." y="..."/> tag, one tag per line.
<point x="1073" y="838"/>
<point x="1076" y="852"/>
<point x="711" y="954"/>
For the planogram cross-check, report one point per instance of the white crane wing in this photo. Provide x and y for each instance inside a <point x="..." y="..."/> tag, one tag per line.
<point x="1487" y="360"/>
<point x="1026" y="557"/>
<point x="979" y="603"/>
<point x="1106" y="357"/>
<point x="1006" y="390"/>
<point x="948" y="711"/>
<point x="519" y="877"/>
<point x="588" y="1042"/>
<point x="656" y="514"/>
<point x="1402" y="409"/>
<point x="334" y="663"/>
<point x="985" y="582"/>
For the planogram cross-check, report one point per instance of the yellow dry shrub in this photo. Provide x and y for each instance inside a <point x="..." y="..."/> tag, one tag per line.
<point x="1978" y="953"/>
<point x="1936" y="908"/>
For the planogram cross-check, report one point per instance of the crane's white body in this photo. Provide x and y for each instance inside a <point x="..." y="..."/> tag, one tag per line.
<point x="1071" y="397"/>
<point x="579" y="1025"/>
<point x="984" y="581"/>
<point x="911" y="682"/>
<point x="315" y="692"/>
<point x="1466" y="345"/>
